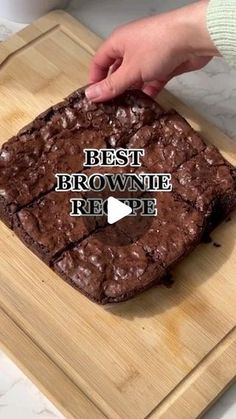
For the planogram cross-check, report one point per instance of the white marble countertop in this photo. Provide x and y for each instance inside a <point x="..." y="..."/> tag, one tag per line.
<point x="212" y="92"/>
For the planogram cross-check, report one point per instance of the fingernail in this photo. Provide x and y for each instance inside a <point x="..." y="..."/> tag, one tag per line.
<point x="93" y="92"/>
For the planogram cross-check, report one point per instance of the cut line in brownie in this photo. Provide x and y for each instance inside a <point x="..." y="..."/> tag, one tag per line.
<point x="176" y="230"/>
<point x="28" y="170"/>
<point x="106" y="193"/>
<point x="46" y="226"/>
<point x="120" y="117"/>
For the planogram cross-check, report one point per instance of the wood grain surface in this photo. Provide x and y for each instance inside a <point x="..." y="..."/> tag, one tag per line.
<point x="168" y="353"/>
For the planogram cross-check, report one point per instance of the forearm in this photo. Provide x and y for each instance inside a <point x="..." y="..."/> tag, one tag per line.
<point x="221" y="22"/>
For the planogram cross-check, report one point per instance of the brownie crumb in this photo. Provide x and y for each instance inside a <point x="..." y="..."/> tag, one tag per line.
<point x="206" y="239"/>
<point x="216" y="244"/>
<point x="168" y="280"/>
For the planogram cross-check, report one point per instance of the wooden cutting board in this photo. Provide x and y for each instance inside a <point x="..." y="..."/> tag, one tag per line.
<point x="168" y="353"/>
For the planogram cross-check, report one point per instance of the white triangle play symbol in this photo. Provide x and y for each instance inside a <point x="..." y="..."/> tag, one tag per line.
<point x="116" y="210"/>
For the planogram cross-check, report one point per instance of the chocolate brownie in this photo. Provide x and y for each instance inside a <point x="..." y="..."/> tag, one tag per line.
<point x="55" y="140"/>
<point x="112" y="263"/>
<point x="206" y="180"/>
<point x="108" y="273"/>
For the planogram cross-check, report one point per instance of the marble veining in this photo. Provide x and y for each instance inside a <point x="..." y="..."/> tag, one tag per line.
<point x="19" y="398"/>
<point x="211" y="92"/>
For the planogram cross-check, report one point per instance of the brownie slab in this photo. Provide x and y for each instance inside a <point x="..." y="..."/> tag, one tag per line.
<point x="112" y="263"/>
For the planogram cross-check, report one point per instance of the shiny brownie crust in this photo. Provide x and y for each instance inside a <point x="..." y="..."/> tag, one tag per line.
<point x="55" y="140"/>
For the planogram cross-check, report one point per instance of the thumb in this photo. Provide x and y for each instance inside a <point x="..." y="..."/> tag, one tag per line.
<point x="113" y="85"/>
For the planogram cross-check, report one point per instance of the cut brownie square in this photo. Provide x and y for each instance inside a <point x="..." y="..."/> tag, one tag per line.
<point x="168" y="143"/>
<point x="46" y="226"/>
<point x="28" y="167"/>
<point x="173" y="233"/>
<point x="168" y="129"/>
<point x="107" y="273"/>
<point x="207" y="182"/>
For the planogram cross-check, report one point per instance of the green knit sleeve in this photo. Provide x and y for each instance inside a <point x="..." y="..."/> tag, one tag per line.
<point x="221" y="22"/>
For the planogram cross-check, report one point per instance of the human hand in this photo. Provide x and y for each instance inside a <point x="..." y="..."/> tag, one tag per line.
<point x="147" y="53"/>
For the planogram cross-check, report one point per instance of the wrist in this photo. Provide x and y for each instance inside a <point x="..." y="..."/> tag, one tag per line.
<point x="194" y="29"/>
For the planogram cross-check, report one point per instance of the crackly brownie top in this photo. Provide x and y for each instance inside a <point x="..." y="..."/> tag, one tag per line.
<point x="49" y="224"/>
<point x="204" y="178"/>
<point x="175" y="229"/>
<point x="168" y="142"/>
<point x="169" y="129"/>
<point x="106" y="272"/>
<point x="28" y="166"/>
<point x="112" y="263"/>
<point x="113" y="171"/>
<point x="55" y="140"/>
<point x="119" y="117"/>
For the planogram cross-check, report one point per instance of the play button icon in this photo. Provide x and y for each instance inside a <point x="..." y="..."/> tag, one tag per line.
<point x="116" y="210"/>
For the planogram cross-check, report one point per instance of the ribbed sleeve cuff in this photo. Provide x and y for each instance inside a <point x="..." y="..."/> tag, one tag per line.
<point x="221" y="22"/>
